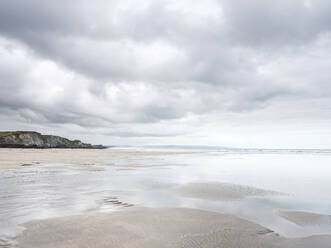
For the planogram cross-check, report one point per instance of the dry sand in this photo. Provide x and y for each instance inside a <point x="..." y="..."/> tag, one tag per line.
<point x="151" y="228"/>
<point x="15" y="158"/>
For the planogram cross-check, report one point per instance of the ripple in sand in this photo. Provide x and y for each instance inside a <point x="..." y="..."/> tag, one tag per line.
<point x="116" y="202"/>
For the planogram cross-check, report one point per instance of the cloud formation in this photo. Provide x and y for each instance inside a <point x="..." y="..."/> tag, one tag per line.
<point x="134" y="68"/>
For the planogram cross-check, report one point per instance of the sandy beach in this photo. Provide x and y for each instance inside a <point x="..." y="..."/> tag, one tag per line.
<point x="306" y="219"/>
<point x="127" y="198"/>
<point x="15" y="158"/>
<point x="151" y="228"/>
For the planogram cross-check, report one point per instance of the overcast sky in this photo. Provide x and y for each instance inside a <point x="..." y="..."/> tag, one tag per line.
<point x="246" y="73"/>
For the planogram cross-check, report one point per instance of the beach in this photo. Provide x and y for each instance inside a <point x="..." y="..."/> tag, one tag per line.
<point x="158" y="228"/>
<point x="163" y="198"/>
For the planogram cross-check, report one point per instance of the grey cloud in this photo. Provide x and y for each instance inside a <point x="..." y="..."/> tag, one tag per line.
<point x="85" y="37"/>
<point x="107" y="62"/>
<point x="137" y="134"/>
<point x="277" y="23"/>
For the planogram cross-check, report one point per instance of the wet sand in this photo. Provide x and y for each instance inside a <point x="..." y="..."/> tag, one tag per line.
<point x="221" y="191"/>
<point x="306" y="219"/>
<point x="150" y="228"/>
<point x="133" y="225"/>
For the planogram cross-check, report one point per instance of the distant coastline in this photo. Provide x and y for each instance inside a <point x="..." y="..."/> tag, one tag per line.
<point x="31" y="139"/>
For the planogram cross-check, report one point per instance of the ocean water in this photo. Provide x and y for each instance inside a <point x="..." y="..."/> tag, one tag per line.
<point x="302" y="177"/>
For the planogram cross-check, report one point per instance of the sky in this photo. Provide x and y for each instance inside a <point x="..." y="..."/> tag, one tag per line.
<point x="243" y="73"/>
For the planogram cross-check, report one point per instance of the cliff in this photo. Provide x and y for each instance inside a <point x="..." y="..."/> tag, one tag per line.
<point x="25" y="139"/>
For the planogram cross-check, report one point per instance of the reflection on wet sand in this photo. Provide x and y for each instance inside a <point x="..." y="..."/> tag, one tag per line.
<point x="39" y="185"/>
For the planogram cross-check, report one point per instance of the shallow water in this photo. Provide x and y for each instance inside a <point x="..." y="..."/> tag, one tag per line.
<point x="44" y="191"/>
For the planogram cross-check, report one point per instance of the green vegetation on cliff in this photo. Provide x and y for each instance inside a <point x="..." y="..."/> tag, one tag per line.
<point x="7" y="133"/>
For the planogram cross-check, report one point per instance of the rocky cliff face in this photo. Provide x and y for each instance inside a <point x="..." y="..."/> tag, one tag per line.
<point x="22" y="139"/>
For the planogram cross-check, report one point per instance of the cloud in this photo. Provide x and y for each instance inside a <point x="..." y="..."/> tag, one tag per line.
<point x="140" y="63"/>
<point x="278" y="24"/>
